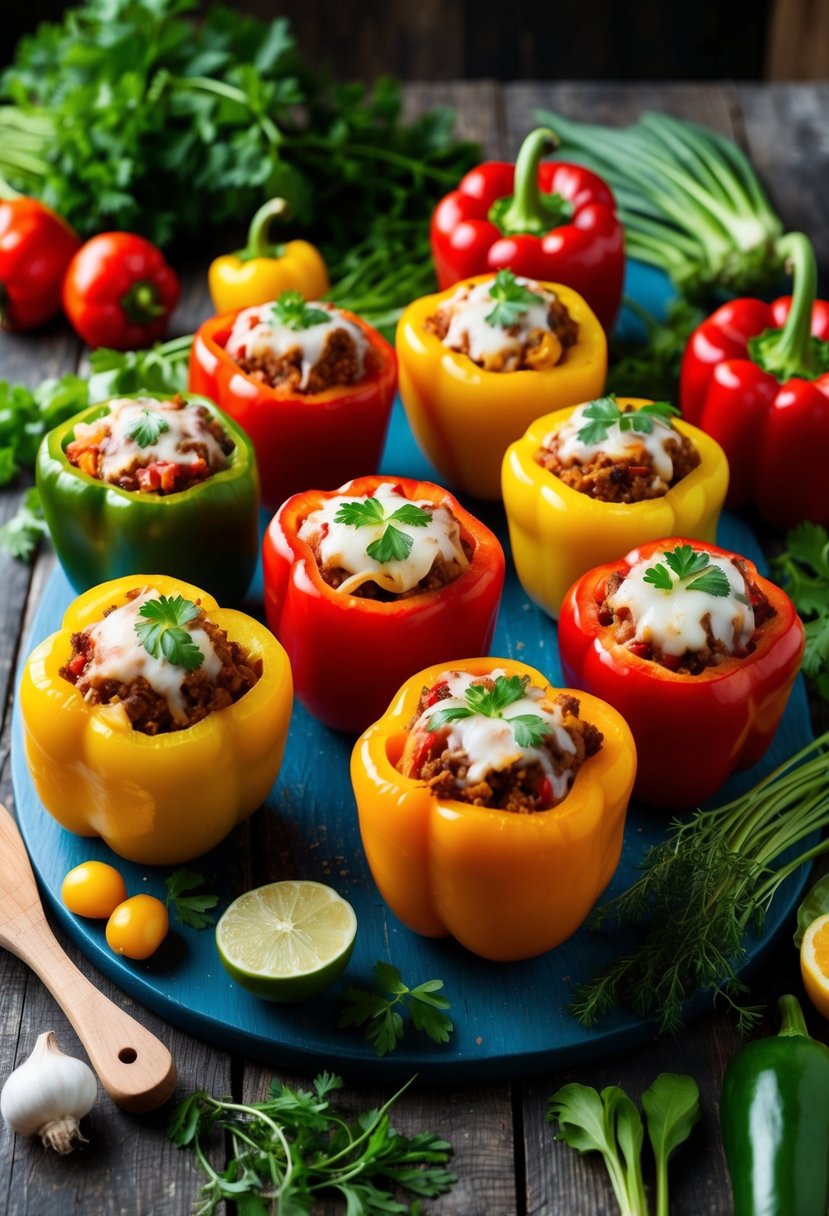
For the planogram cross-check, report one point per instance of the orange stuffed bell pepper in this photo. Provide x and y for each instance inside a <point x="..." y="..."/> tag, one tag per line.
<point x="507" y="883"/>
<point x="158" y="798"/>
<point x="558" y="529"/>
<point x="480" y="361"/>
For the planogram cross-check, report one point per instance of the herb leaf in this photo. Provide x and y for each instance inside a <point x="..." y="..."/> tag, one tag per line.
<point x="162" y="632"/>
<point x="361" y="513"/>
<point x="685" y="562"/>
<point x="804" y="568"/>
<point x="392" y="546"/>
<point x="491" y="701"/>
<point x="712" y="582"/>
<point x="293" y="311"/>
<point x="412" y="515"/>
<point x="529" y="729"/>
<point x="379" y="1009"/>
<point x="146" y="428"/>
<point x="814" y="904"/>
<point x="20" y="535"/>
<point x="454" y="713"/>
<point x="191" y="909"/>
<point x="604" y="413"/>
<point x="671" y="1107"/>
<point x="512" y="300"/>
<point x="659" y="576"/>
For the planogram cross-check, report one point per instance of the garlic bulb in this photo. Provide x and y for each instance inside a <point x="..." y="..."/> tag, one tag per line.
<point x="48" y="1094"/>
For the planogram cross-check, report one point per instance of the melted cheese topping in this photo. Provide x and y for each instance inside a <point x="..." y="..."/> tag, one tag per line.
<point x="120" y="452"/>
<point x="618" y="444"/>
<point x="256" y="333"/>
<point x="118" y="654"/>
<point x="489" y="743"/>
<point x="674" y="621"/>
<point x="343" y="546"/>
<point x="470" y="331"/>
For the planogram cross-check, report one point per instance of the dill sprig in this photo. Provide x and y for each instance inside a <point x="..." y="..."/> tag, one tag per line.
<point x="702" y="889"/>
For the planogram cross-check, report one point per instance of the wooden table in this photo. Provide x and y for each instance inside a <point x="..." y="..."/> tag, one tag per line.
<point x="506" y="1160"/>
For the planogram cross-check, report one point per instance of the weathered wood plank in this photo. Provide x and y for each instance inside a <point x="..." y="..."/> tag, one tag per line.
<point x="478" y="107"/>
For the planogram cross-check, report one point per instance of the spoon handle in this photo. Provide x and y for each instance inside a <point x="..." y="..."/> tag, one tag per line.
<point x="134" y="1067"/>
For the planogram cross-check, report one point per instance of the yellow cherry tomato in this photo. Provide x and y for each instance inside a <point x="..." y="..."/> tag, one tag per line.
<point x="93" y="889"/>
<point x="138" y="926"/>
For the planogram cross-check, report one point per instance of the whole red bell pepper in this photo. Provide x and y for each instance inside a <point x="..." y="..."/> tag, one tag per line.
<point x="691" y="731"/>
<point x="119" y="291"/>
<point x="350" y="654"/>
<point x="755" y="376"/>
<point x="551" y="221"/>
<point x="36" y="246"/>
<point x="301" y="439"/>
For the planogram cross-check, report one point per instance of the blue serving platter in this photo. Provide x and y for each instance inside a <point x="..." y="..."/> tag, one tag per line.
<point x="510" y="1019"/>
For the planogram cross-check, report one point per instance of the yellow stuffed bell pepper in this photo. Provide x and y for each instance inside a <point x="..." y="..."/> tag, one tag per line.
<point x="506" y="885"/>
<point x="156" y="799"/>
<point x="557" y="533"/>
<point x="262" y="270"/>
<point x="463" y="416"/>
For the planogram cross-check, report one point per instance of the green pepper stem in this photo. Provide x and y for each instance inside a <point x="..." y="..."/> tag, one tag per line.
<point x="790" y="352"/>
<point x="792" y="1020"/>
<point x="141" y="304"/>
<point x="527" y="210"/>
<point x="258" y="245"/>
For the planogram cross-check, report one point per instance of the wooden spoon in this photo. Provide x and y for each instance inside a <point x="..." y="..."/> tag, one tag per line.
<point x="135" y="1069"/>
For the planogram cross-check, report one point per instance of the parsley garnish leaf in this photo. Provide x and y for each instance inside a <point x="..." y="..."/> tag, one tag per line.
<point x="659" y="576"/>
<point x="293" y="311"/>
<point x="379" y="1009"/>
<point x="454" y="713"/>
<point x="162" y="632"/>
<point x="393" y="545"/>
<point x="412" y="515"/>
<point x="685" y="563"/>
<point x="191" y="909"/>
<point x="604" y="413"/>
<point x="712" y="582"/>
<point x="361" y="513"/>
<point x="529" y="729"/>
<point x="512" y="299"/>
<point x="20" y="535"/>
<point x="491" y="701"/>
<point x="146" y="428"/>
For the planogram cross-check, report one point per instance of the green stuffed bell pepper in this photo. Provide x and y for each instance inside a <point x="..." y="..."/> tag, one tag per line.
<point x="156" y="485"/>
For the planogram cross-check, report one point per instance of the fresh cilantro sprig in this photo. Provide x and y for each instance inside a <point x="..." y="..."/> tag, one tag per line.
<point x="683" y="564"/>
<point x="20" y="535"/>
<point x="605" y="412"/>
<point x="804" y="567"/>
<point x="529" y="729"/>
<point x="512" y="300"/>
<point x="293" y="311"/>
<point x="192" y="908"/>
<point x="393" y="545"/>
<point x="296" y="1149"/>
<point x="379" y="1009"/>
<point x="146" y="428"/>
<point x="162" y="632"/>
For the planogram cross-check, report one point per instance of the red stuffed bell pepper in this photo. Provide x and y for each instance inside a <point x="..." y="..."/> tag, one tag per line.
<point x="550" y="221"/>
<point x="359" y="608"/>
<point x="696" y="651"/>
<point x="306" y="432"/>
<point x="755" y="376"/>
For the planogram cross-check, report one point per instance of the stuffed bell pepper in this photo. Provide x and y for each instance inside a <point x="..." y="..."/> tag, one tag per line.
<point x="492" y="806"/>
<point x="154" y="718"/>
<point x="586" y="484"/>
<point x="480" y="361"/>
<point x="311" y="384"/>
<point x="695" y="649"/>
<point x="370" y="582"/>
<point x="152" y="483"/>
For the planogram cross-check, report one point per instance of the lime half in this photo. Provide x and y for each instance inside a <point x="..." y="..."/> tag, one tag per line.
<point x="287" y="941"/>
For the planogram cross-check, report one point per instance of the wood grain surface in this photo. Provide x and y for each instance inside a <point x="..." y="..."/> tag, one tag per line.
<point x="506" y="1159"/>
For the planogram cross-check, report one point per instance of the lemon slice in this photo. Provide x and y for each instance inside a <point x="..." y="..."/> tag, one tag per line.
<point x="287" y="941"/>
<point x="814" y="963"/>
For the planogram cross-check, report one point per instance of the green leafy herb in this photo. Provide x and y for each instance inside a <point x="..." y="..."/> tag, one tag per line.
<point x="379" y="1009"/>
<point x="27" y="414"/>
<point x="162" y="368"/>
<point x="294" y="1150"/>
<point x="529" y="729"/>
<point x="393" y="545"/>
<point x="604" y="413"/>
<point x="192" y="908"/>
<point x="684" y="563"/>
<point x="804" y="567"/>
<point x="671" y="1107"/>
<point x="19" y="537"/>
<point x="649" y="365"/>
<point x="292" y="311"/>
<point x="146" y="428"/>
<point x="162" y="632"/>
<point x="700" y="892"/>
<point x="814" y="904"/>
<point x="512" y="300"/>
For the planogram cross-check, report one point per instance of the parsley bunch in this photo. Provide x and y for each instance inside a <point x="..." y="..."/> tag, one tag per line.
<point x="287" y="1153"/>
<point x="529" y="729"/>
<point x="688" y="569"/>
<point x="379" y="1010"/>
<point x="604" y="412"/>
<point x="804" y="566"/>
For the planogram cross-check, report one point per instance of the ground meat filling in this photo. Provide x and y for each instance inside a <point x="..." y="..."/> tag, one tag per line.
<point x="190" y="445"/>
<point x="517" y="347"/>
<point x="623" y="627"/>
<point x="339" y="364"/>
<point x="147" y="709"/>
<point x="523" y="787"/>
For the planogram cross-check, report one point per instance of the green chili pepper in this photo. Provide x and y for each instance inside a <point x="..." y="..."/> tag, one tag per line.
<point x="774" y="1113"/>
<point x="207" y="535"/>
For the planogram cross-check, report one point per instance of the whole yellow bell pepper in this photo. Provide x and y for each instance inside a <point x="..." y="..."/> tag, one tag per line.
<point x="262" y="271"/>
<point x="506" y="885"/>
<point x="557" y="533"/>
<point x="159" y="799"/>
<point x="462" y="416"/>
